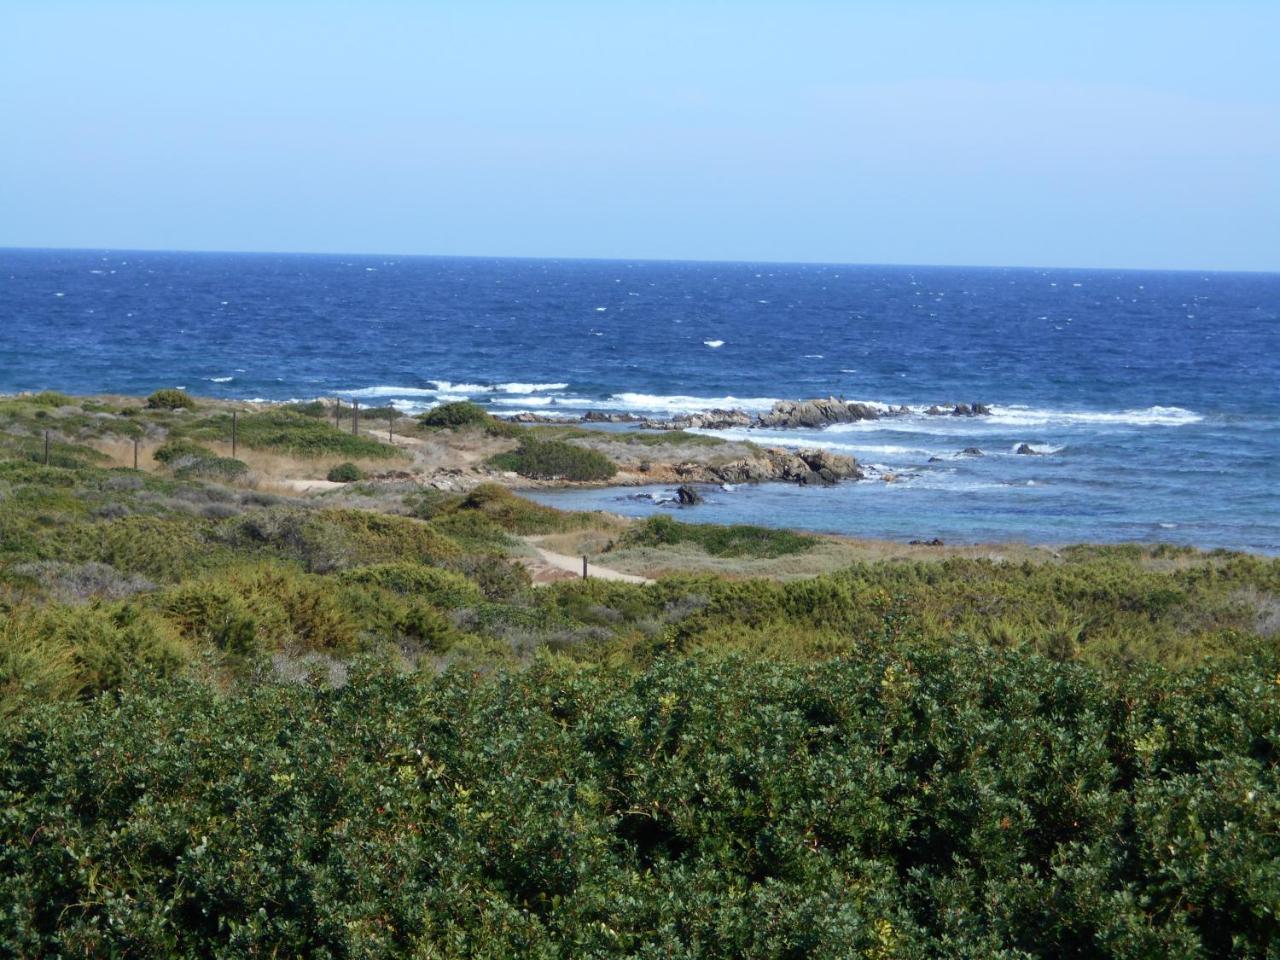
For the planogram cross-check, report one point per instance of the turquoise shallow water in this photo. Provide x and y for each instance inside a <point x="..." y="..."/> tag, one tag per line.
<point x="1152" y="395"/>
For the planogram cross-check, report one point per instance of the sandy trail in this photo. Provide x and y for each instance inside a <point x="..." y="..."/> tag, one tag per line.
<point x="549" y="566"/>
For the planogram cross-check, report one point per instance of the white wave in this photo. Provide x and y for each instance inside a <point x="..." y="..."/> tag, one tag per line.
<point x="659" y="403"/>
<point x="571" y="403"/>
<point x="221" y="379"/>
<point x="1041" y="448"/>
<point x="383" y="391"/>
<point x="446" y="388"/>
<point x="1146" y="417"/>
<point x="526" y="387"/>
<point x="479" y="388"/>
<point x="713" y="344"/>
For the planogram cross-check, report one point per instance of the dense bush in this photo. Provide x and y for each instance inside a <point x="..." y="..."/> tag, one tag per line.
<point x="460" y="413"/>
<point x="190" y="460"/>
<point x="345" y="473"/>
<point x="170" y="399"/>
<point x="900" y="802"/>
<point x="555" y="460"/>
<point x="720" y="540"/>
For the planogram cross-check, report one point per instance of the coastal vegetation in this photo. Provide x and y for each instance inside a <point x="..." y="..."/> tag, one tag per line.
<point x="170" y="399"/>
<point x="720" y="540"/>
<point x="244" y="720"/>
<point x="346" y="472"/>
<point x="540" y="459"/>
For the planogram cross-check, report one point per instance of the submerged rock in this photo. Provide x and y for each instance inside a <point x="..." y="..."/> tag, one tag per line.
<point x="971" y="452"/>
<point x="688" y="496"/>
<point x="1027" y="450"/>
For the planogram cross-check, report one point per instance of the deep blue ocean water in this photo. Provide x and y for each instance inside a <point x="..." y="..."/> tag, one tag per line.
<point x="1155" y="396"/>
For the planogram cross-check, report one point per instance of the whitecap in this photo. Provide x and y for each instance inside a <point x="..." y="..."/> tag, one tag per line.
<point x="1157" y="416"/>
<point x="221" y="379"/>
<point x="713" y="344"/>
<point x="648" y="402"/>
<point x="1044" y="449"/>
<point x="386" y="391"/>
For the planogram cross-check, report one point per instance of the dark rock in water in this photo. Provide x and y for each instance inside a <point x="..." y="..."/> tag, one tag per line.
<point x="935" y="460"/>
<point x="1026" y="450"/>
<point x="688" y="496"/>
<point x="981" y="410"/>
<point x="962" y="410"/>
<point x="935" y="542"/>
<point x="935" y="411"/>
<point x="597" y="416"/>
<point x="970" y="452"/>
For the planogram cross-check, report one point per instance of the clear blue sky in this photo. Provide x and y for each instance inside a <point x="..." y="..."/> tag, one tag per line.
<point x="1086" y="133"/>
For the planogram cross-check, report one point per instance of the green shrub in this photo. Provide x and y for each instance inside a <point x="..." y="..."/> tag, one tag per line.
<point x="441" y="588"/>
<point x="170" y="399"/>
<point x="517" y="515"/>
<point x="345" y="473"/>
<point x="555" y="460"/>
<point x="736" y="540"/>
<point x="311" y="408"/>
<point x="460" y="413"/>
<point x="190" y="460"/>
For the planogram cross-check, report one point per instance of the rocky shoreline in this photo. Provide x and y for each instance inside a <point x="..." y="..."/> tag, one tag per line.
<point x="785" y="414"/>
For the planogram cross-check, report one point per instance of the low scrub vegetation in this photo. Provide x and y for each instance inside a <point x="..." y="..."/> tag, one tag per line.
<point x="555" y="460"/>
<point x="898" y="759"/>
<point x="284" y="431"/>
<point x="728" y="540"/>
<point x="901" y="801"/>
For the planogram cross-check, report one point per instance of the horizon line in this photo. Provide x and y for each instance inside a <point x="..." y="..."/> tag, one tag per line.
<point x="588" y="259"/>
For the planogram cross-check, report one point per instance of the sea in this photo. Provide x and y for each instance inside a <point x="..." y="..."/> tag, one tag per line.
<point x="1151" y="399"/>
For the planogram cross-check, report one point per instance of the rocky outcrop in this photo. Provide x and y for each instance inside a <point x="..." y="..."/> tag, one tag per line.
<point x="1027" y="450"/>
<point x="597" y="416"/>
<point x="971" y="452"/>
<point x="708" y="420"/>
<point x="527" y="417"/>
<point x="821" y="467"/>
<point x="816" y="413"/>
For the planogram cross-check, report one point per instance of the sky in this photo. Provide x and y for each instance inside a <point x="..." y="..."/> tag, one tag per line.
<point x="1143" y="135"/>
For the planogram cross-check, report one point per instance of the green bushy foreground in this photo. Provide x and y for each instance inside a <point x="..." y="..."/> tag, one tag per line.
<point x="947" y="757"/>
<point x="903" y="800"/>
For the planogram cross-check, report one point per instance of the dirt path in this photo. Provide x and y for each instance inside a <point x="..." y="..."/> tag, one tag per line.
<point x="548" y="567"/>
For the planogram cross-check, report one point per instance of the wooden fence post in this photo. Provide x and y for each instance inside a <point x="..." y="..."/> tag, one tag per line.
<point x="233" y="434"/>
<point x="46" y="448"/>
<point x="584" y="568"/>
<point x="355" y="416"/>
<point x="135" y="453"/>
